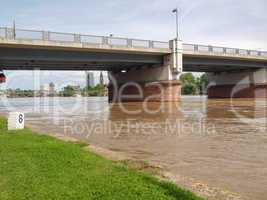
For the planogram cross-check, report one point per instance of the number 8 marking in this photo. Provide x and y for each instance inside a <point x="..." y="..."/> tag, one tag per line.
<point x="20" y="118"/>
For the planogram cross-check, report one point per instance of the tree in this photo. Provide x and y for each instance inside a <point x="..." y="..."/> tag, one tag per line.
<point x="187" y="78"/>
<point x="202" y="83"/>
<point x="189" y="86"/>
<point x="189" y="89"/>
<point x="69" y="91"/>
<point x="98" y="90"/>
<point x="192" y="85"/>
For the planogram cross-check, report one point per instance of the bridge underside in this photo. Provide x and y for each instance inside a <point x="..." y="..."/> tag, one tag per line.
<point x="44" y="59"/>
<point x="30" y="59"/>
<point x="205" y="64"/>
<point x="244" y="84"/>
<point x="146" y="68"/>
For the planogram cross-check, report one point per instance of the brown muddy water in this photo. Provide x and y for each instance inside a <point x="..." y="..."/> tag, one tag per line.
<point x="217" y="148"/>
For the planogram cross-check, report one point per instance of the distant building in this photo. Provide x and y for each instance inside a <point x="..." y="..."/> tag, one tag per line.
<point x="44" y="91"/>
<point x="90" y="82"/>
<point x="101" y="79"/>
<point x="105" y="78"/>
<point x="48" y="90"/>
<point x="52" y="90"/>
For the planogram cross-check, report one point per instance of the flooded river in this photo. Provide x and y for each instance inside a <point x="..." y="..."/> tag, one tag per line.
<point x="215" y="147"/>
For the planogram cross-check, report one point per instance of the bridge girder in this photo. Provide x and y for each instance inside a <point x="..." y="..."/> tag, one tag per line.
<point x="51" y="59"/>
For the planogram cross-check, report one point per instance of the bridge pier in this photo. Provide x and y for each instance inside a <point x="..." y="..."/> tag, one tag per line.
<point x="246" y="84"/>
<point x="158" y="91"/>
<point x="150" y="83"/>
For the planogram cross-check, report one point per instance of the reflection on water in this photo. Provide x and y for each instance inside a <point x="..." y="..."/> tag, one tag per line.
<point x="219" y="142"/>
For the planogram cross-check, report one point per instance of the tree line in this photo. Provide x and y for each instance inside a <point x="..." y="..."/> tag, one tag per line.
<point x="194" y="85"/>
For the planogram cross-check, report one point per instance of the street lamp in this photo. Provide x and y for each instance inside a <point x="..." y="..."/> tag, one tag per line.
<point x="177" y="28"/>
<point x="14" y="29"/>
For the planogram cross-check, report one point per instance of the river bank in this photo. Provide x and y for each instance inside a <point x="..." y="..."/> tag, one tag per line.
<point x="35" y="166"/>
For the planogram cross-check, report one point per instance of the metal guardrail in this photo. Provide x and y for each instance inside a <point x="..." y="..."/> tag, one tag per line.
<point x="22" y="34"/>
<point x="17" y="34"/>
<point x="222" y="50"/>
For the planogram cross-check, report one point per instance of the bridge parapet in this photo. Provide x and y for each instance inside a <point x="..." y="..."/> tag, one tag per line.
<point x="48" y="38"/>
<point x="34" y="35"/>
<point x="222" y="51"/>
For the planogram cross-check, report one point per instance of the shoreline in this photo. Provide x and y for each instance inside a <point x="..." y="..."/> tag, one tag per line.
<point x="197" y="187"/>
<point x="37" y="150"/>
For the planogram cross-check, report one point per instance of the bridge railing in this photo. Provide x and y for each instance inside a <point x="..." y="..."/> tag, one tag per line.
<point x="22" y="34"/>
<point x="222" y="50"/>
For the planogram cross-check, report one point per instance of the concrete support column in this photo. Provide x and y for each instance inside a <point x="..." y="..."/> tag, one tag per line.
<point x="159" y="91"/>
<point x="145" y="84"/>
<point x="150" y="83"/>
<point x="176" y="56"/>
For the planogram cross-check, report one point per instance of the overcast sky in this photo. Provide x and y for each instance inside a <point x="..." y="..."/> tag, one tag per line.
<point x="238" y="23"/>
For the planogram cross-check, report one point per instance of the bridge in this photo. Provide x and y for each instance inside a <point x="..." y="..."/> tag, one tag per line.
<point x="136" y="60"/>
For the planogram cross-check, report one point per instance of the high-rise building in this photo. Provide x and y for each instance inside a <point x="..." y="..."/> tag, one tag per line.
<point x="90" y="82"/>
<point x="52" y="91"/>
<point x="44" y="91"/>
<point x="101" y="80"/>
<point x="48" y="90"/>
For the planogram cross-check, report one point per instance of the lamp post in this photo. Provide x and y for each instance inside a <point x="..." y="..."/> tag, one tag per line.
<point x="177" y="48"/>
<point x="177" y="22"/>
<point x="14" y="29"/>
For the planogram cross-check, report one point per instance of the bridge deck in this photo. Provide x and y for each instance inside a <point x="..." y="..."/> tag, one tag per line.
<point x="26" y="49"/>
<point x="50" y="39"/>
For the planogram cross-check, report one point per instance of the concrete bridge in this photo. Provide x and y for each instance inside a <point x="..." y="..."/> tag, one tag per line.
<point x="154" y="65"/>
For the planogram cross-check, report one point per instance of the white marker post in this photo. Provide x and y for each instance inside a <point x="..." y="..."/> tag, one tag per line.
<point x="15" y="121"/>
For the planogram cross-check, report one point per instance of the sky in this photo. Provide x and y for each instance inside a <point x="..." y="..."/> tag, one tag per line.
<point x="238" y="23"/>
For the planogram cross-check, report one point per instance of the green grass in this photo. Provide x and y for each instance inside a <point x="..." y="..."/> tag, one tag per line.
<point x="38" y="167"/>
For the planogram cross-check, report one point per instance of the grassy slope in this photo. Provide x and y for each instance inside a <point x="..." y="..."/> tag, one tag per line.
<point x="43" y="168"/>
